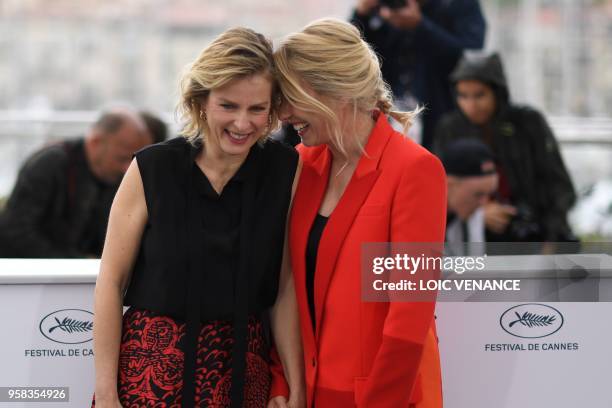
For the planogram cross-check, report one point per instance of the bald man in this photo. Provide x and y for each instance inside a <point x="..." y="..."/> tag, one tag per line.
<point x="60" y="203"/>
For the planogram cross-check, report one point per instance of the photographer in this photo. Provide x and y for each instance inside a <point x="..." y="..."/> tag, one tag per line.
<point x="471" y="180"/>
<point x="419" y="43"/>
<point x="535" y="191"/>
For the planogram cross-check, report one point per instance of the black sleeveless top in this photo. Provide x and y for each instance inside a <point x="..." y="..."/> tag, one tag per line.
<point x="205" y="256"/>
<point x="207" y="229"/>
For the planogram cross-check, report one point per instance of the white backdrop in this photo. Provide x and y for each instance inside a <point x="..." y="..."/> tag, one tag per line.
<point x="32" y="352"/>
<point x="484" y="366"/>
<point x="484" y="363"/>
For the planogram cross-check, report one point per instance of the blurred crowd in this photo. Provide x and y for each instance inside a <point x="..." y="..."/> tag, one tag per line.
<point x="507" y="181"/>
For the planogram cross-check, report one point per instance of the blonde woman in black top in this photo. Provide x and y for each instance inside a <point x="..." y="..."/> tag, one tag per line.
<point x="196" y="244"/>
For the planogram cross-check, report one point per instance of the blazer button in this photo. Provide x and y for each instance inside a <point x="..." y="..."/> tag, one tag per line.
<point x="314" y="362"/>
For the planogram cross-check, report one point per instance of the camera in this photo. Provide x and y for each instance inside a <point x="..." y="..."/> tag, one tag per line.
<point x="393" y="4"/>
<point x="524" y="225"/>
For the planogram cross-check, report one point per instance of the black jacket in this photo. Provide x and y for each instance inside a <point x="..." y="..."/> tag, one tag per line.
<point x="419" y="61"/>
<point x="526" y="151"/>
<point x="57" y="209"/>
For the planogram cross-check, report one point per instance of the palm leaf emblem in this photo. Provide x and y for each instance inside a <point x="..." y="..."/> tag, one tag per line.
<point x="533" y="320"/>
<point x="72" y="326"/>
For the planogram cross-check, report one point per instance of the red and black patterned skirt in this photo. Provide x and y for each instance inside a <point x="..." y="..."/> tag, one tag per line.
<point x="151" y="363"/>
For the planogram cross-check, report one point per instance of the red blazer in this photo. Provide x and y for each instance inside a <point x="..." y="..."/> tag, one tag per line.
<point x="368" y="354"/>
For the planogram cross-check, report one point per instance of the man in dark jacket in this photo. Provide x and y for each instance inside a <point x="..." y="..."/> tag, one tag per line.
<point x="419" y="45"/>
<point x="535" y="191"/>
<point x="60" y="203"/>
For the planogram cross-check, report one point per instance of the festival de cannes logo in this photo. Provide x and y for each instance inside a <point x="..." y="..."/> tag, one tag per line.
<point x="531" y="320"/>
<point x="68" y="326"/>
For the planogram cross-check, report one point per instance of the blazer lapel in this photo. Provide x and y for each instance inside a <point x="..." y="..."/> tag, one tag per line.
<point x="346" y="210"/>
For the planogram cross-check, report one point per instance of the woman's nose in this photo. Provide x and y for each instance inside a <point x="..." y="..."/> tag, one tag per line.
<point x="242" y="121"/>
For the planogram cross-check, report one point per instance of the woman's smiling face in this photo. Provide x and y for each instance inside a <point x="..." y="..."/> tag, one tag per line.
<point x="237" y="115"/>
<point x="310" y="126"/>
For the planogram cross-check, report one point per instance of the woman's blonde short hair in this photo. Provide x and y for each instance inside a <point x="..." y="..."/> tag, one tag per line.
<point x="237" y="53"/>
<point x="331" y="58"/>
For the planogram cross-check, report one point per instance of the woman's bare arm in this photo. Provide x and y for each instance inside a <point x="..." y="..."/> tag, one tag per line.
<point x="127" y="220"/>
<point x="286" y="325"/>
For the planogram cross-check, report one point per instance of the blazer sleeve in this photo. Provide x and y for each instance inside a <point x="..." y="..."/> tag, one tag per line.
<point x="418" y="215"/>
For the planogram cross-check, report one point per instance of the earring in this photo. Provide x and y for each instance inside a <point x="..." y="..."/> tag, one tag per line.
<point x="202" y="115"/>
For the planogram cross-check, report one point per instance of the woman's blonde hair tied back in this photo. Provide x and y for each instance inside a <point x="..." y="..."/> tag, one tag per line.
<point x="331" y="58"/>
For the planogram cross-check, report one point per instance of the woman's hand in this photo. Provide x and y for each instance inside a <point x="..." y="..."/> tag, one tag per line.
<point x="297" y="400"/>
<point x="278" y="402"/>
<point x="365" y="7"/>
<point x="108" y="402"/>
<point x="404" y="18"/>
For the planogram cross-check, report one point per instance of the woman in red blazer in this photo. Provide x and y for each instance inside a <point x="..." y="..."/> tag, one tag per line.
<point x="361" y="182"/>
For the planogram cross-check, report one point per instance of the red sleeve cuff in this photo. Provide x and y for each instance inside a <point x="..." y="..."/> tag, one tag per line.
<point x="279" y="385"/>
